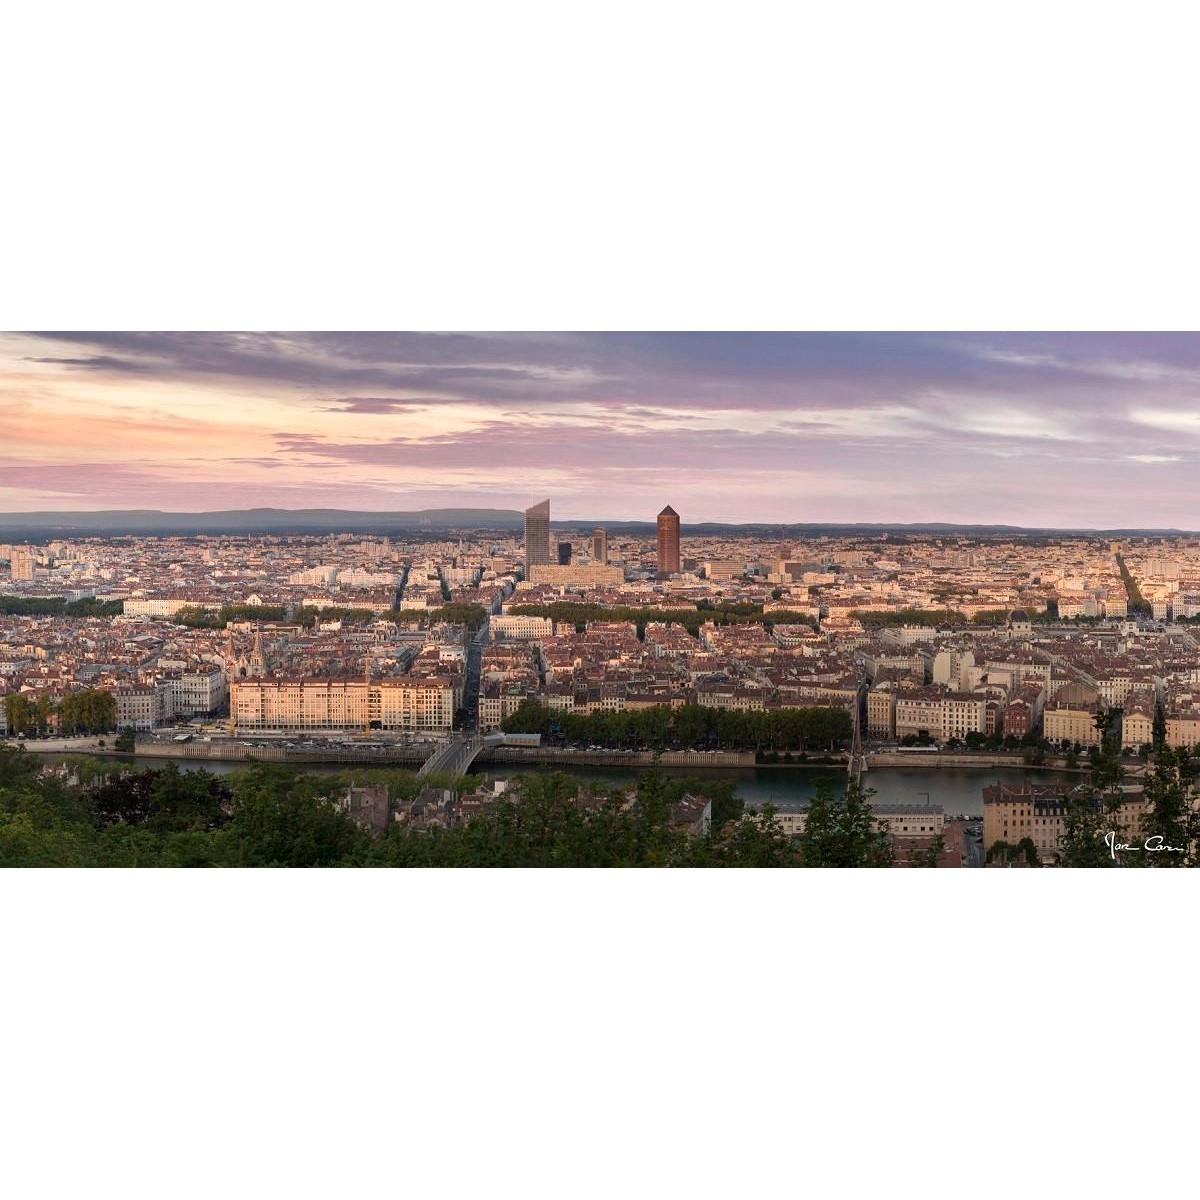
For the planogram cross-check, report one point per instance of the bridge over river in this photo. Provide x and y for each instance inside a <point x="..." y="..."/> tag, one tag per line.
<point x="455" y="757"/>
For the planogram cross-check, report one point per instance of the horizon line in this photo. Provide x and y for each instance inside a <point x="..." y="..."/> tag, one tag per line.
<point x="47" y="518"/>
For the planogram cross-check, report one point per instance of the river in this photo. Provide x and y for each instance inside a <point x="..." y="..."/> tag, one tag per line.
<point x="956" y="789"/>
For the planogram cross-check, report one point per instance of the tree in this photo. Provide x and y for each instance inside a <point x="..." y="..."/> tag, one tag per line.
<point x="1085" y="823"/>
<point x="1003" y="852"/>
<point x="92" y="710"/>
<point x="927" y="856"/>
<point x="690" y="726"/>
<point x="18" y="712"/>
<point x="281" y="818"/>
<point x="43" y="709"/>
<point x="123" y="797"/>
<point x="18" y="767"/>
<point x="1172" y="824"/>
<point x="843" y="832"/>
<point x="755" y="840"/>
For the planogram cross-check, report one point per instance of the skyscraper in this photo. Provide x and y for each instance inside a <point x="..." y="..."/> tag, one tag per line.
<point x="600" y="547"/>
<point x="564" y="554"/>
<point x="22" y="563"/>
<point x="668" y="542"/>
<point x="537" y="536"/>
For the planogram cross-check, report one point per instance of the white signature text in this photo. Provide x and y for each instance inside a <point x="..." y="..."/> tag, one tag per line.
<point x="1155" y="844"/>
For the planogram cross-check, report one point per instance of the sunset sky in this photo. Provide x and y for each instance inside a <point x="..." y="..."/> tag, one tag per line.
<point x="1032" y="429"/>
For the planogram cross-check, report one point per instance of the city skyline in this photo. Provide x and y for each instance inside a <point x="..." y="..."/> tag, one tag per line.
<point x="1036" y="429"/>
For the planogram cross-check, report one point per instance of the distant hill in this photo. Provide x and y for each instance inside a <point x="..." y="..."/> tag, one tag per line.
<point x="252" y="520"/>
<point x="43" y="525"/>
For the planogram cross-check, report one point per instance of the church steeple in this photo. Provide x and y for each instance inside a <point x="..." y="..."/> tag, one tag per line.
<point x="258" y="658"/>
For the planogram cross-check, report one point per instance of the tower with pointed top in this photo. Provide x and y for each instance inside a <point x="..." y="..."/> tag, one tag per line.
<point x="537" y="536"/>
<point x="258" y="658"/>
<point x="668" y="542"/>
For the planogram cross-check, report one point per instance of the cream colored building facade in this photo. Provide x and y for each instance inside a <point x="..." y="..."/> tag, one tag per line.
<point x="1071" y="725"/>
<point x="516" y="627"/>
<point x="901" y="820"/>
<point x="581" y="575"/>
<point x="1011" y="814"/>
<point x="341" y="703"/>
<point x="1137" y="721"/>
<point x="1183" y="729"/>
<point x="881" y="712"/>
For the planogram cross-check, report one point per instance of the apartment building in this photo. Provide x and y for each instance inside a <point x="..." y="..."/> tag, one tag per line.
<point x="21" y="563"/>
<point x="1183" y="728"/>
<point x="940" y="713"/>
<point x="881" y="711"/>
<point x="520" y="628"/>
<point x="963" y="713"/>
<point x="138" y="707"/>
<point x="951" y="667"/>
<point x="1012" y="812"/>
<point x="498" y="701"/>
<point x="726" y="694"/>
<point x="901" y="820"/>
<point x="1137" y="721"/>
<point x="421" y="704"/>
<point x="1017" y="719"/>
<point x="1071" y="722"/>
<point x="576" y="575"/>
<point x="195" y="693"/>
<point x="342" y="703"/>
<point x="919" y="710"/>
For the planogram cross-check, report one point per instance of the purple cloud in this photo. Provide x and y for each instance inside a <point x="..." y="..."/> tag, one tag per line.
<point x="1048" y="428"/>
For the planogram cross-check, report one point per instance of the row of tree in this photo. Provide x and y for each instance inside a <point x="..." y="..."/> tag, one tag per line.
<point x="692" y="726"/>
<point x="470" y="615"/>
<point x="204" y="618"/>
<point x="936" y="617"/>
<point x="90" y="711"/>
<point x="58" y="606"/>
<point x="308" y="616"/>
<point x="579" y="615"/>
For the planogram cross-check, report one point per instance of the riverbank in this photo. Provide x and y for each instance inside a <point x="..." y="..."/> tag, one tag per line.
<point x="415" y="753"/>
<point x="974" y="762"/>
<point x="959" y="790"/>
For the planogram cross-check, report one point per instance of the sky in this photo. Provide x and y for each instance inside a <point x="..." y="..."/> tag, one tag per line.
<point x="1071" y="430"/>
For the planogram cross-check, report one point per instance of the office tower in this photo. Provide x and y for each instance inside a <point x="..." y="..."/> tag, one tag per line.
<point x="668" y="542"/>
<point x="600" y="547"/>
<point x="22" y="563"/>
<point x="537" y="536"/>
<point x="564" y="554"/>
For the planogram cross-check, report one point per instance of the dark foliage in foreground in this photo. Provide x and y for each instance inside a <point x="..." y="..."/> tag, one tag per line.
<point x="267" y="815"/>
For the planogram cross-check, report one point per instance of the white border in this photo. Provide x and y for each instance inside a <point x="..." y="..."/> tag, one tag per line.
<point x="524" y="166"/>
